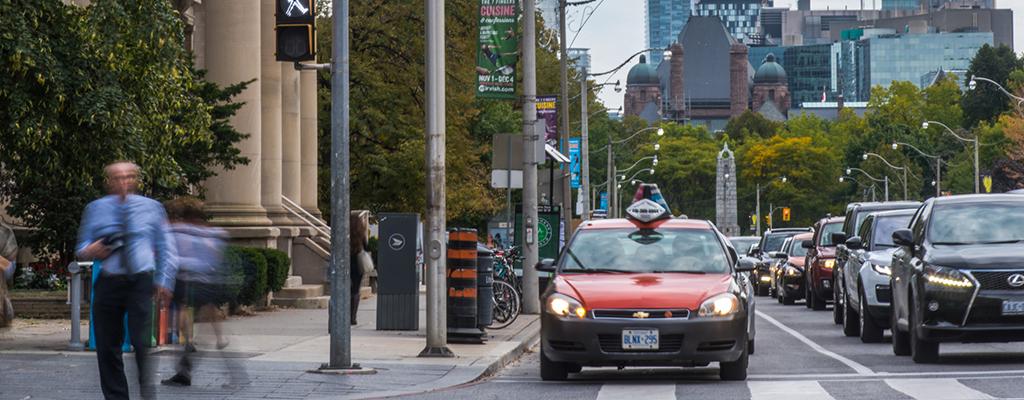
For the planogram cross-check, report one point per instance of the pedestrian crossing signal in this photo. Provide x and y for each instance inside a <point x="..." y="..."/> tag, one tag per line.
<point x="785" y="214"/>
<point x="296" y="30"/>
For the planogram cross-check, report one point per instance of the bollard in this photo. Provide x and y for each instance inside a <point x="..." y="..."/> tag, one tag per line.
<point x="485" y="286"/>
<point x="76" y="268"/>
<point x="462" y="287"/>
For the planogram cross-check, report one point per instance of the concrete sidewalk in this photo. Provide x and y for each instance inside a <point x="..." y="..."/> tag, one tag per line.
<point x="278" y="349"/>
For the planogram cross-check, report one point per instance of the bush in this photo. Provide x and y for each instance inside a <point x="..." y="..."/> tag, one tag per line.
<point x="277" y="268"/>
<point x="40" y="275"/>
<point x="249" y="274"/>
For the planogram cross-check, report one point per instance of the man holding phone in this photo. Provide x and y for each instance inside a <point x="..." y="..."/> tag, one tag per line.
<point x="129" y="236"/>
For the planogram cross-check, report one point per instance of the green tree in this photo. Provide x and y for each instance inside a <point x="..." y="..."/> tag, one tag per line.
<point x="986" y="102"/>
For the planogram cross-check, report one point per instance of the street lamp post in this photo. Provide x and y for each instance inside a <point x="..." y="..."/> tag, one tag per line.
<point x="757" y="209"/>
<point x="610" y="148"/>
<point x="938" y="164"/>
<point x="973" y="84"/>
<point x="885" y="180"/>
<point x="864" y="195"/>
<point x="901" y="169"/>
<point x="977" y="170"/>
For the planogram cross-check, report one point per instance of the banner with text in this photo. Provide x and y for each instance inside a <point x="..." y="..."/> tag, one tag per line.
<point x="574" y="162"/>
<point x="497" y="49"/>
<point x="547" y="113"/>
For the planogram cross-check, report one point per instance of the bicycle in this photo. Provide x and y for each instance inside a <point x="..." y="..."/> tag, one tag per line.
<point x="507" y="294"/>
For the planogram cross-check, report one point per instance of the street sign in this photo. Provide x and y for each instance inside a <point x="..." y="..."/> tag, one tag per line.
<point x="574" y="162"/>
<point x="500" y="179"/>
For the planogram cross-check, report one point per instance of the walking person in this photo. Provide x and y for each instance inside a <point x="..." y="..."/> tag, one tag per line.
<point x="358" y="238"/>
<point x="202" y="284"/>
<point x="8" y="253"/>
<point x="128" y="238"/>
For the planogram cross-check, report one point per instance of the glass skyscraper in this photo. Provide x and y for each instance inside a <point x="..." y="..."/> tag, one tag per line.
<point x="665" y="20"/>
<point x="739" y="16"/>
<point x="901" y="4"/>
<point x="891" y="58"/>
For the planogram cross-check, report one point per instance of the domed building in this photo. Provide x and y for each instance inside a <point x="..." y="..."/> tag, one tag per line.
<point x="643" y="93"/>
<point x="770" y="94"/>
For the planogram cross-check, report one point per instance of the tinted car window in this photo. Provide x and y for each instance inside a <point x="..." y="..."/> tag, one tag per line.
<point x="976" y="223"/>
<point x="884" y="227"/>
<point x="774" y="242"/>
<point x="827" y="231"/>
<point x="742" y="246"/>
<point x="630" y="250"/>
<point x="860" y="220"/>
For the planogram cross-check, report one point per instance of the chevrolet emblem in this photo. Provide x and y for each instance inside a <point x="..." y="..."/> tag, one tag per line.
<point x="641" y="315"/>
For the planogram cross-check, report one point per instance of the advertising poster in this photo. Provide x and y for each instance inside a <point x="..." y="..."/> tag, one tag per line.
<point x="547" y="114"/>
<point x="574" y="162"/>
<point x="497" y="49"/>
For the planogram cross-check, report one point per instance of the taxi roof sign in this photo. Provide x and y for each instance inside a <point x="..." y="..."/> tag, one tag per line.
<point x="646" y="210"/>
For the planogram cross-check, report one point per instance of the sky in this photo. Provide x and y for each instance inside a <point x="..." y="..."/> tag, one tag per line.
<point x="615" y="30"/>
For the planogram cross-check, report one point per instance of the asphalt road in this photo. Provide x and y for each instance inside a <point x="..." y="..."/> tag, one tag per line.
<point x="800" y="354"/>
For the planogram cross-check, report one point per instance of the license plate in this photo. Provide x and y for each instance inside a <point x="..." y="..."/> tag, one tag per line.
<point x="639" y="339"/>
<point x="1013" y="307"/>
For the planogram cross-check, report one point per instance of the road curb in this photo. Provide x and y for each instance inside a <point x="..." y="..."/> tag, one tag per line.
<point x="465" y="375"/>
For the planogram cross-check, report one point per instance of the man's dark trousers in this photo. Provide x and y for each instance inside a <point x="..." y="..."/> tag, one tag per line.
<point x="115" y="296"/>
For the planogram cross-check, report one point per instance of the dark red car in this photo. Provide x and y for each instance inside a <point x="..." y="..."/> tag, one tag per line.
<point x="821" y="258"/>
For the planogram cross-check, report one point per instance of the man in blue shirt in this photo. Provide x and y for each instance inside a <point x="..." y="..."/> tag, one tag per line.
<point x="129" y="236"/>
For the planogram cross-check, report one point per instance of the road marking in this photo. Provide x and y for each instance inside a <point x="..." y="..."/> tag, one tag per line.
<point x="803" y="390"/>
<point x="612" y="391"/>
<point x="936" y="389"/>
<point x="860" y="368"/>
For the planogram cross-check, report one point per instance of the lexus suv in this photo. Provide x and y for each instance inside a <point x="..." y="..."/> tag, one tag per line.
<point x="958" y="275"/>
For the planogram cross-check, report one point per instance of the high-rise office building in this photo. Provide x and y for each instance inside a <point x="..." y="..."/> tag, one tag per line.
<point x="665" y="19"/>
<point x="741" y="17"/>
<point x="901" y="4"/>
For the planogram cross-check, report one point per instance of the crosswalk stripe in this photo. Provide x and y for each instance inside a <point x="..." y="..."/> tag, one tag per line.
<point x="610" y="391"/>
<point x="804" y="390"/>
<point x="936" y="389"/>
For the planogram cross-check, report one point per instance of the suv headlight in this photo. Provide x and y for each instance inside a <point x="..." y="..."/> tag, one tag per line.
<point x="881" y="269"/>
<point x="565" y="306"/>
<point x="793" y="271"/>
<point x="719" y="305"/>
<point x="946" y="278"/>
<point x="828" y="263"/>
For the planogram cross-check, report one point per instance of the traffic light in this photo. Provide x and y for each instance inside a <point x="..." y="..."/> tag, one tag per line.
<point x="753" y="219"/>
<point x="785" y="214"/>
<point x="768" y="219"/>
<point x="296" y="30"/>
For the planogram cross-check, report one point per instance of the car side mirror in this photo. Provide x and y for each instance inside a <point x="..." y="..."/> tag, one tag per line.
<point x="854" y="243"/>
<point x="807" y="244"/>
<point x="903" y="237"/>
<point x="778" y="254"/>
<point x="546" y="265"/>
<point x="745" y="265"/>
<point x="838" y="237"/>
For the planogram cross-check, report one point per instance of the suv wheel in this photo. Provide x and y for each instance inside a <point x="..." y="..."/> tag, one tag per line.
<point x="870" y="332"/>
<point x="808" y="296"/>
<point x="837" y="304"/>
<point x="850" y="319"/>
<point x="921" y="351"/>
<point x="900" y="339"/>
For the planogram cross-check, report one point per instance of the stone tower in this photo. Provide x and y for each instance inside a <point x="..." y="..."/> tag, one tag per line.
<point x="739" y="84"/>
<point x="725" y="193"/>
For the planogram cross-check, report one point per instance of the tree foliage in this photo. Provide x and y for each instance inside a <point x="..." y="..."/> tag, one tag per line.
<point x="84" y="86"/>
<point x="986" y="102"/>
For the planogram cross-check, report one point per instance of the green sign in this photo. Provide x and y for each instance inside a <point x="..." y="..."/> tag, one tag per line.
<point x="497" y="49"/>
<point x="548" y="230"/>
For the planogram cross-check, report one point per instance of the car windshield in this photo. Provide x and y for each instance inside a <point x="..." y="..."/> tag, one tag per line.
<point x="742" y="245"/>
<point x="631" y="250"/>
<point x="827" y="231"/>
<point x="796" y="250"/>
<point x="978" y="223"/>
<point x="774" y="241"/>
<point x="885" y="226"/>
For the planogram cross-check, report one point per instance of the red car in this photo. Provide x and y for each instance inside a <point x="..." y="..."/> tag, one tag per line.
<point x="821" y="258"/>
<point x="647" y="290"/>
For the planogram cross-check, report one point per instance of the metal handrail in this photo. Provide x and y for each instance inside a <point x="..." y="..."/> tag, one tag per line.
<point x="308" y="218"/>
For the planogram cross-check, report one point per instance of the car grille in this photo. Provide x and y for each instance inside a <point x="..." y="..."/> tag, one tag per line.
<point x="648" y="313"/>
<point x="666" y="344"/>
<point x="989" y="311"/>
<point x="995" y="280"/>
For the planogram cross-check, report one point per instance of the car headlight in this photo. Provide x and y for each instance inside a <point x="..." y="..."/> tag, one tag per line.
<point x="882" y="269"/>
<point x="829" y="263"/>
<point x="793" y="271"/>
<point x="720" y="305"/>
<point x="564" y="306"/>
<point x="946" y="278"/>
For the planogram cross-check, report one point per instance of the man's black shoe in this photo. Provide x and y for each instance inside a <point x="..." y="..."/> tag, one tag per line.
<point x="177" y="380"/>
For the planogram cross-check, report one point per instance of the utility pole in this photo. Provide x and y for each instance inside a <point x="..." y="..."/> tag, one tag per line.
<point x="610" y="185"/>
<point x="437" y="327"/>
<point x="758" y="210"/>
<point x="568" y="207"/>
<point x="340" y="304"/>
<point x="531" y="290"/>
<point x="584" y="139"/>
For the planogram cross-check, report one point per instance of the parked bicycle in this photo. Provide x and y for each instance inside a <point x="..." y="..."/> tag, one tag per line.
<point x="507" y="292"/>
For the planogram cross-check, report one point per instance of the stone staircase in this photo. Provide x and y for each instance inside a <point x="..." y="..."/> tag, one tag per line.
<point x="295" y="294"/>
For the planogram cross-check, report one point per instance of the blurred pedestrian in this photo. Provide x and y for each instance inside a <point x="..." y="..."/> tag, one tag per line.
<point x="202" y="283"/>
<point x="8" y="253"/>
<point x="358" y="238"/>
<point x="129" y="238"/>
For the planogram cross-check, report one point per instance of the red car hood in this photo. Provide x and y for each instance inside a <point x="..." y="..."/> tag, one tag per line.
<point x="797" y="261"/>
<point x="661" y="290"/>
<point x="827" y="252"/>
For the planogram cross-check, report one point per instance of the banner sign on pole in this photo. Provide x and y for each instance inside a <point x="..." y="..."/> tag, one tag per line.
<point x="547" y="111"/>
<point x="604" y="201"/>
<point x="574" y="162"/>
<point x="497" y="49"/>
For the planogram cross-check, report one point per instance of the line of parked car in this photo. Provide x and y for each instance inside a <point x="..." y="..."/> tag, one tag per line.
<point x="950" y="269"/>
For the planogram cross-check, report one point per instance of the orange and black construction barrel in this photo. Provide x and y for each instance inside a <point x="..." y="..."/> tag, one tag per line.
<point x="485" y="286"/>
<point x="462" y="286"/>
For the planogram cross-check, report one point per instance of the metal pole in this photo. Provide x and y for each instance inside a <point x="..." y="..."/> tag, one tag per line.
<point x="584" y="137"/>
<point x="75" y="344"/>
<point x="886" y="188"/>
<point x="938" y="177"/>
<point x="531" y="290"/>
<point x="758" y="211"/>
<point x="568" y="207"/>
<point x="977" y="170"/>
<point x="771" y="210"/>
<point x="437" y="328"/>
<point x="340" y="303"/>
<point x="905" y="183"/>
<point x="610" y="172"/>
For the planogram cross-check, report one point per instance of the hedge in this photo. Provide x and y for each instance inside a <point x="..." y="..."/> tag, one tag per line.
<point x="277" y="268"/>
<point x="249" y="269"/>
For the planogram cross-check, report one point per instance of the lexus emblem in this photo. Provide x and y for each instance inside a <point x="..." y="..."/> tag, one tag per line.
<point x="1015" y="280"/>
<point x="642" y="315"/>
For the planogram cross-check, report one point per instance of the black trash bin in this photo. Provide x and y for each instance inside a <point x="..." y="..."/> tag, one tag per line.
<point x="485" y="286"/>
<point x="462" y="287"/>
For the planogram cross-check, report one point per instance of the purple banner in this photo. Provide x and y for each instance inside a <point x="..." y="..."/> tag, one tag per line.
<point x="547" y="111"/>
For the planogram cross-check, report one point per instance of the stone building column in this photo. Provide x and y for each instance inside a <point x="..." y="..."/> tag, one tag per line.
<point x="232" y="56"/>
<point x="270" y="76"/>
<point x="309" y="150"/>
<point x="291" y="175"/>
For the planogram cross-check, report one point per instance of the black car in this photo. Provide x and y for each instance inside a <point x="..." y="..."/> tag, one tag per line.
<point x="855" y="214"/>
<point x="958" y="275"/>
<point x="772" y="241"/>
